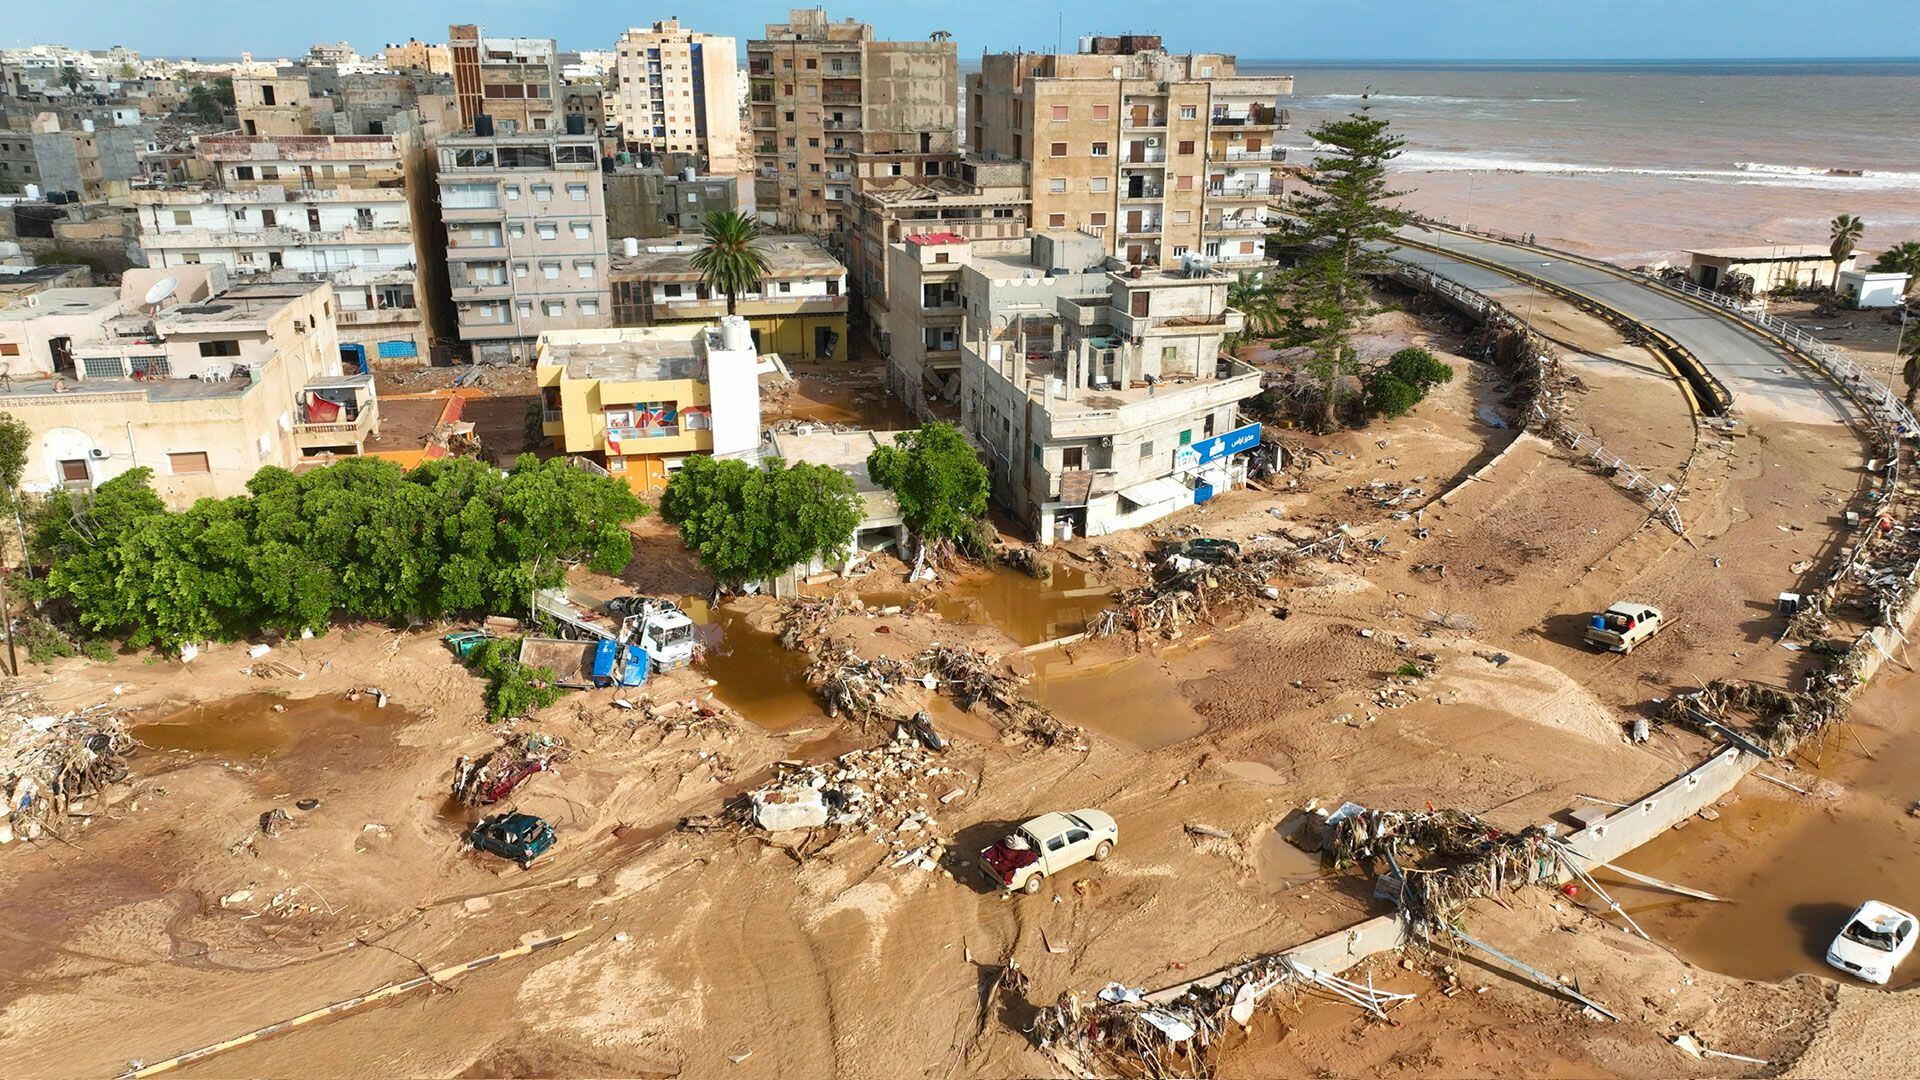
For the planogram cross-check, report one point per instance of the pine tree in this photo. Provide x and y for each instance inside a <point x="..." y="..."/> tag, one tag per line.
<point x="1340" y="225"/>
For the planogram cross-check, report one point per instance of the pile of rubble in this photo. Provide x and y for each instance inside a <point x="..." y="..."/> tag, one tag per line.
<point x="49" y="763"/>
<point x="1184" y="591"/>
<point x="494" y="775"/>
<point x="888" y="792"/>
<point x="1774" y="719"/>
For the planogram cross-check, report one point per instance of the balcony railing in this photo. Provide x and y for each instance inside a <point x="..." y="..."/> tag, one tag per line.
<point x="1236" y="153"/>
<point x="1151" y="191"/>
<point x="841" y="97"/>
<point x="1258" y="116"/>
<point x="1244" y="191"/>
<point x="1140" y="227"/>
<point x="1141" y="154"/>
<point x="1154" y="120"/>
<point x="841" y="125"/>
<point x="368" y="316"/>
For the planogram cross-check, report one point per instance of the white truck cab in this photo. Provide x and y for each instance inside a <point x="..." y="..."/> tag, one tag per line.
<point x="1023" y="859"/>
<point x="1625" y="625"/>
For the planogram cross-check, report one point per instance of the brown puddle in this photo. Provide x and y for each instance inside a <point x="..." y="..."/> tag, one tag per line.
<point x="1136" y="701"/>
<point x="1029" y="610"/>
<point x="751" y="672"/>
<point x="866" y="407"/>
<point x="1279" y="866"/>
<point x="247" y="729"/>
<point x="1794" y="867"/>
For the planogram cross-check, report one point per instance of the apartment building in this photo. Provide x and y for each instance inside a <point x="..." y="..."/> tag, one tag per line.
<point x="1101" y="397"/>
<point x="1162" y="156"/>
<point x="91" y="157"/>
<point x="799" y="309"/>
<point x="526" y="229"/>
<point x="821" y="92"/>
<point x="512" y="80"/>
<point x="356" y="210"/>
<point x="284" y="102"/>
<point x="644" y="203"/>
<point x="416" y="55"/>
<point x="973" y="198"/>
<point x="677" y="92"/>
<point x="642" y="399"/>
<point x="205" y="389"/>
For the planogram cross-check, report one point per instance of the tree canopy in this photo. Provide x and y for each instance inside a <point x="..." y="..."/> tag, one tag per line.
<point x="730" y="264"/>
<point x="1339" y="222"/>
<point x="1843" y="235"/>
<point x="937" y="479"/>
<point x="1403" y="381"/>
<point x="748" y="523"/>
<point x="357" y="539"/>
<point x="1901" y="258"/>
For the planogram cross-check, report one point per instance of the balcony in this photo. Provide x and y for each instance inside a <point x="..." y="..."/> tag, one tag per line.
<point x="1236" y="153"/>
<point x="1106" y="412"/>
<point x="841" y="125"/>
<point x="840" y="97"/>
<point x="1242" y="223"/>
<point x="1255" y="116"/>
<point x="1144" y="191"/>
<point x="324" y="423"/>
<point x="278" y="236"/>
<point x="1142" y="154"/>
<point x="1244" y="191"/>
<point x="1140" y="225"/>
<point x="1133" y="121"/>
<point x="378" y="316"/>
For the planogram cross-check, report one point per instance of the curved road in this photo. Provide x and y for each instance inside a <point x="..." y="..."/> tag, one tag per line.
<point x="1760" y="376"/>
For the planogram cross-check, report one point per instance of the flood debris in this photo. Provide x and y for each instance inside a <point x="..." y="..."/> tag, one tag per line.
<point x="1185" y="591"/>
<point x="494" y="775"/>
<point x="52" y="763"/>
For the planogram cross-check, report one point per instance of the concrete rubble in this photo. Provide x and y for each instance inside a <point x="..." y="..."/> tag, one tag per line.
<point x="887" y="792"/>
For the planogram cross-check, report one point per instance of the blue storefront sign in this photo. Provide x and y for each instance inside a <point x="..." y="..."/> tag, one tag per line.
<point x="1233" y="442"/>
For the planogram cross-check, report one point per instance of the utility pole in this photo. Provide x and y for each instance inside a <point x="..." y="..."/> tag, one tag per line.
<point x="6" y="617"/>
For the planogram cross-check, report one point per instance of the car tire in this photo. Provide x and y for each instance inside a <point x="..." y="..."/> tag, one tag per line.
<point x="1033" y="883"/>
<point x="525" y="864"/>
<point x="1105" y="849"/>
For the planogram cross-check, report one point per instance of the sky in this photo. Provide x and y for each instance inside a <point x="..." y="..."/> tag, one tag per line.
<point x="1277" y="29"/>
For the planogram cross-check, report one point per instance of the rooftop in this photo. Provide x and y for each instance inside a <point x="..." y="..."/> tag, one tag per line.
<point x="61" y="302"/>
<point x="249" y="303"/>
<point x="643" y="354"/>
<point x="1767" y="252"/>
<point x="846" y="452"/>
<point x="46" y="386"/>
<point x="671" y="259"/>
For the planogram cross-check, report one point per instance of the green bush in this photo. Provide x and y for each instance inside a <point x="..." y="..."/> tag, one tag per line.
<point x="358" y="539"/>
<point x="1418" y="368"/>
<point x="1409" y="670"/>
<point x="1402" y="382"/>
<point x="99" y="649"/>
<point x="513" y="691"/>
<point x="1389" y="396"/>
<point x="44" y="644"/>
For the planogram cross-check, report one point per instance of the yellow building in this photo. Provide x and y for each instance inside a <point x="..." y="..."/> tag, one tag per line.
<point x="639" y="400"/>
<point x="798" y="311"/>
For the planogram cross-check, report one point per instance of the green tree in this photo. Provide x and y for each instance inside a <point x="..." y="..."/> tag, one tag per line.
<point x="70" y="79"/>
<point x="15" y="437"/>
<point x="202" y="105"/>
<point x="748" y="523"/>
<point x="1418" y="368"/>
<point x="1338" y="226"/>
<point x="1843" y="235"/>
<point x="729" y="263"/>
<point x="937" y="478"/>
<point x="1402" y="382"/>
<point x="1901" y="258"/>
<point x="513" y="691"/>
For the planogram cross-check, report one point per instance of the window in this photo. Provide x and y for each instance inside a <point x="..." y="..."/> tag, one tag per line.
<point x="513" y="192"/>
<point x="227" y="347"/>
<point x="1189" y="112"/>
<point x="520" y="270"/>
<point x="1207" y="431"/>
<point x="1099" y="149"/>
<point x="1057" y="185"/>
<point x="589" y="307"/>
<point x="670" y="291"/>
<point x="554" y="308"/>
<point x="1071" y="457"/>
<point x="1168" y="354"/>
<point x="583" y="230"/>
<point x="1146" y="450"/>
<point x="192" y="461"/>
<point x="517" y="230"/>
<point x="1038" y="454"/>
<point x="942" y="256"/>
<point x="1096" y="220"/>
<point x="183" y="217"/>
<point x="102" y="367"/>
<point x="1103" y="112"/>
<point x="543" y="192"/>
<point x="1059" y="112"/>
<point x="1138" y="304"/>
<point x="548" y="230"/>
<point x="550" y="271"/>
<point x="577" y="192"/>
<point x="1186" y="146"/>
<point x="243" y="172"/>
<point x="1183" y="217"/>
<point x="1056" y="221"/>
<point x="74" y="471"/>
<point x="1059" y="149"/>
<point x="8" y="348"/>
<point x="1097" y="184"/>
<point x="583" y="271"/>
<point x="150" y="367"/>
<point x="1183" y="183"/>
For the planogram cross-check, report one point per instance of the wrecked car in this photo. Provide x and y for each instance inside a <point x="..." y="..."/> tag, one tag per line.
<point x="1024" y="858"/>
<point x="1875" y="940"/>
<point x="520" y="837"/>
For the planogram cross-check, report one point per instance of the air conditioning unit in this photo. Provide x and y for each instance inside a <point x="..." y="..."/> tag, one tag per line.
<point x="1153" y="140"/>
<point x="1106" y="442"/>
<point x="99" y="453"/>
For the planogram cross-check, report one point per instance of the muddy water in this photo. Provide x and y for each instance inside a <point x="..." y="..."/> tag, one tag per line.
<point x="865" y="407"/>
<point x="1029" y="610"/>
<point x="751" y="672"/>
<point x="1796" y="867"/>
<point x="1136" y="700"/>
<point x="248" y="729"/>
<point x="1279" y="866"/>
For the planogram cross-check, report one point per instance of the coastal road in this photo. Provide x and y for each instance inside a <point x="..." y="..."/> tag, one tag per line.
<point x="1761" y="376"/>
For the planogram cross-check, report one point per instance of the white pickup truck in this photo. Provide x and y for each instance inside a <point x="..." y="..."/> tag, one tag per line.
<point x="1625" y="625"/>
<point x="1023" y="859"/>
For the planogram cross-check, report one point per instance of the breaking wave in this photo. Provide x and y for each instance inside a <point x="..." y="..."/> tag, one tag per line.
<point x="1441" y="99"/>
<point x="1749" y="174"/>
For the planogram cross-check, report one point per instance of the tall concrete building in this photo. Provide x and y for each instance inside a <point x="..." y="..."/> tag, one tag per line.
<point x="822" y="92"/>
<point x="677" y="92"/>
<point x="526" y="226"/>
<point x="416" y="55"/>
<point x="1161" y="156"/>
<point x="512" y="80"/>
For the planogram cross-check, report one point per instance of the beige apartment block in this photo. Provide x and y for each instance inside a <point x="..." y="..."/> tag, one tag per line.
<point x="798" y="308"/>
<point x="282" y="103"/>
<point x="526" y="227"/>
<point x="1101" y="396"/>
<point x="1164" y="157"/>
<point x="205" y="387"/>
<point x="359" y="211"/>
<point x="513" y="81"/>
<point x="946" y="195"/>
<point x="677" y="92"/>
<point x="416" y="55"/>
<point x="821" y="92"/>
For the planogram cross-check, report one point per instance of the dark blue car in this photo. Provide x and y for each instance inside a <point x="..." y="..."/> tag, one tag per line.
<point x="520" y="837"/>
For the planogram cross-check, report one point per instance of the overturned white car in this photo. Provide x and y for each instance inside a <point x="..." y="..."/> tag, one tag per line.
<point x="1874" y="942"/>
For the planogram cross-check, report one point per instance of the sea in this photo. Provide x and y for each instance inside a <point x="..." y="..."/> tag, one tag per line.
<point x="1640" y="161"/>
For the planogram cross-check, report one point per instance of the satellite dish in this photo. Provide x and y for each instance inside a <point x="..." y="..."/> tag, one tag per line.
<point x="161" y="289"/>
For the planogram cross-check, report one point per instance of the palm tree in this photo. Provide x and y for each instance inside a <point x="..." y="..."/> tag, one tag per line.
<point x="70" y="78"/>
<point x="1910" y="372"/>
<point x="730" y="263"/>
<point x="1844" y="235"/>
<point x="1901" y="258"/>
